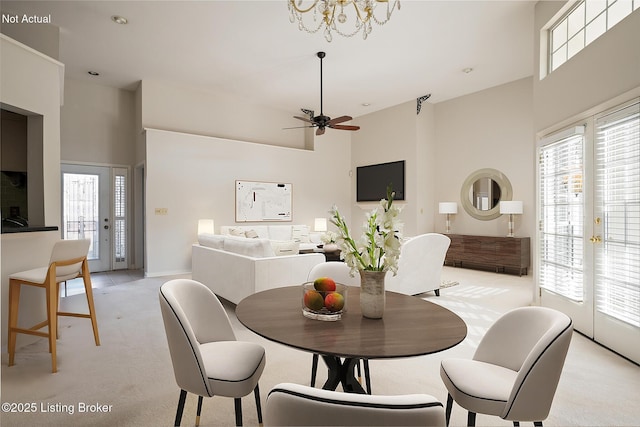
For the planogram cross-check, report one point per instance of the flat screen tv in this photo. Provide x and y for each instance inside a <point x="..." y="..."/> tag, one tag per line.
<point x="372" y="181"/>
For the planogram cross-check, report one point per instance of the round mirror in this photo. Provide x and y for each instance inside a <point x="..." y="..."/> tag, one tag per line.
<point x="482" y="192"/>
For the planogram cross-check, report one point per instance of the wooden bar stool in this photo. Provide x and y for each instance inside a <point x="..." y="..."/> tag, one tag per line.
<point x="68" y="261"/>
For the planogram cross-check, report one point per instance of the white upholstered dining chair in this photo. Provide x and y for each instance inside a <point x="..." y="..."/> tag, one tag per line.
<point x="515" y="370"/>
<point x="420" y="265"/>
<point x="207" y="359"/>
<point x="298" y="405"/>
<point x="340" y="273"/>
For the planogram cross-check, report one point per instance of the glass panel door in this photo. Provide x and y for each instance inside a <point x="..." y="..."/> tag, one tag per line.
<point x="589" y="233"/>
<point x="561" y="256"/>
<point x="617" y="233"/>
<point x="85" y="210"/>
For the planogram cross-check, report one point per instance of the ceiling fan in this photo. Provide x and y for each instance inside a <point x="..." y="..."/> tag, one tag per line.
<point x="321" y="121"/>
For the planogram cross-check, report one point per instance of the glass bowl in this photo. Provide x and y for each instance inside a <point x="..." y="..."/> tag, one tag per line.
<point x="323" y="305"/>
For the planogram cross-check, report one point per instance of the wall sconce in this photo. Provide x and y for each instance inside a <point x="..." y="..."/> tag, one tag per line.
<point x="512" y="208"/>
<point x="448" y="208"/>
<point x="320" y="224"/>
<point x="206" y="226"/>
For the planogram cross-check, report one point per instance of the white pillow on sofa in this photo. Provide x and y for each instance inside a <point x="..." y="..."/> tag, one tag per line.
<point x="280" y="232"/>
<point x="300" y="233"/>
<point x="285" y="247"/>
<point x="215" y="241"/>
<point x="257" y="248"/>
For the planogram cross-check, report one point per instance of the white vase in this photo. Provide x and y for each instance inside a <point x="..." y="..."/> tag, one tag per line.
<point x="330" y="247"/>
<point x="372" y="296"/>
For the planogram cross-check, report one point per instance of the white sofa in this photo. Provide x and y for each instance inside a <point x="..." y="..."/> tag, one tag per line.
<point x="234" y="267"/>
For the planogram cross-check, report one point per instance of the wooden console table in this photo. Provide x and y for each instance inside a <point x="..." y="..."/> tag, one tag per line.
<point x="499" y="254"/>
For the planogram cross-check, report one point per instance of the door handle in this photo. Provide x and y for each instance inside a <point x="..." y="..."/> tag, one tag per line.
<point x="595" y="239"/>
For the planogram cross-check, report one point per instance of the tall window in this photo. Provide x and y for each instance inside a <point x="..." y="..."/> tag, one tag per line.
<point x="586" y="21"/>
<point x="119" y="220"/>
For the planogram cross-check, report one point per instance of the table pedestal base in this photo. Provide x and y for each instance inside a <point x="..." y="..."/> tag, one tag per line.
<point x="341" y="372"/>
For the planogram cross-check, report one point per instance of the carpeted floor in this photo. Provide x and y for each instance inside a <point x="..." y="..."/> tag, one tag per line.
<point x="128" y="380"/>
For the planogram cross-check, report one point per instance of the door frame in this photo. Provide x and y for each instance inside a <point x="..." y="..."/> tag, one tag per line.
<point x="111" y="176"/>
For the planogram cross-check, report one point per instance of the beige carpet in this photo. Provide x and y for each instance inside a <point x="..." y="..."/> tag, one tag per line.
<point x="131" y="371"/>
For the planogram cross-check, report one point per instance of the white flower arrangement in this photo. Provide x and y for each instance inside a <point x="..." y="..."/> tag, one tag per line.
<point x="329" y="237"/>
<point x="379" y="246"/>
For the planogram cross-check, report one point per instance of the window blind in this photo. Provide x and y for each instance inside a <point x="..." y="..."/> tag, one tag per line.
<point x="617" y="200"/>
<point x="560" y="172"/>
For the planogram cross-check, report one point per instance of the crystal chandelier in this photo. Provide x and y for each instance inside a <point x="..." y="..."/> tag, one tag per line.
<point x="333" y="15"/>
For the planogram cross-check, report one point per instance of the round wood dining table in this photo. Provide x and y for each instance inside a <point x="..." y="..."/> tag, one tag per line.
<point x="410" y="327"/>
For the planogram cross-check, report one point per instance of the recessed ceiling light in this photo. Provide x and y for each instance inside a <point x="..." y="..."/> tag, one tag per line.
<point x="366" y="104"/>
<point x="119" y="19"/>
<point x="93" y="73"/>
<point x="467" y="70"/>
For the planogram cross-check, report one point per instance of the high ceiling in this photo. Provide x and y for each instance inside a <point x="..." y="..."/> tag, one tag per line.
<point x="250" y="49"/>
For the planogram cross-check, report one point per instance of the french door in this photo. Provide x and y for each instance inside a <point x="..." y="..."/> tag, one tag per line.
<point x="94" y="206"/>
<point x="589" y="226"/>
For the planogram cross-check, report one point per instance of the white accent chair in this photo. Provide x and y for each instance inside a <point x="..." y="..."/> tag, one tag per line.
<point x="420" y="265"/>
<point x="298" y="405"/>
<point x="515" y="370"/>
<point x="207" y="359"/>
<point x="340" y="273"/>
<point x="68" y="261"/>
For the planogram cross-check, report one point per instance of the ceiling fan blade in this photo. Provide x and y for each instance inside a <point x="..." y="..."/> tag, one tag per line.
<point x="299" y="127"/>
<point x="340" y="120"/>
<point x="345" y="127"/>
<point x="304" y="119"/>
<point x="320" y="131"/>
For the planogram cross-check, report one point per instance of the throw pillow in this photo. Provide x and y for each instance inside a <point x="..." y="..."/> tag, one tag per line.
<point x="237" y="232"/>
<point x="251" y="234"/>
<point x="285" y="247"/>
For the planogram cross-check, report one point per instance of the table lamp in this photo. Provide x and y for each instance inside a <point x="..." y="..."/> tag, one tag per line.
<point x="205" y="226"/>
<point x="512" y="208"/>
<point x="320" y="224"/>
<point x="448" y="208"/>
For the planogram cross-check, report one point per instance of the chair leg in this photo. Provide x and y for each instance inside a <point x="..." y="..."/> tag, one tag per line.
<point x="198" y="411"/>
<point x="181" y="400"/>
<point x="449" y="407"/>
<point x="52" y="318"/>
<point x="471" y="419"/>
<point x="367" y="377"/>
<point x="516" y="424"/>
<point x="14" y="303"/>
<point x="58" y="309"/>
<point x="437" y="291"/>
<point x="89" y="292"/>
<point x="238" y="404"/>
<point x="359" y="372"/>
<point x="256" y="393"/>
<point x="537" y="423"/>
<point x="314" y="369"/>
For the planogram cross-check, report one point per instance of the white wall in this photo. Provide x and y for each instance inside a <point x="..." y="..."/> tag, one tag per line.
<point x="97" y="124"/>
<point x="492" y="128"/>
<point x="194" y="177"/>
<point x="32" y="82"/>
<point x="193" y="110"/>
